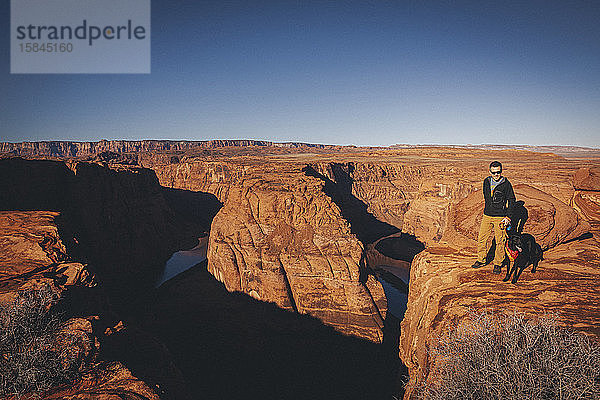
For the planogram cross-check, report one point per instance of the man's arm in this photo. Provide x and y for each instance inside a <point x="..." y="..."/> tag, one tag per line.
<point x="487" y="193"/>
<point x="510" y="198"/>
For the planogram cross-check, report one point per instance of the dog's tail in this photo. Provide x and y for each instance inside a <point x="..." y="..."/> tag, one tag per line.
<point x="540" y="251"/>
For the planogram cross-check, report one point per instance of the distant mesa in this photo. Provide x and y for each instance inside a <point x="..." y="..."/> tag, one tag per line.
<point x="87" y="149"/>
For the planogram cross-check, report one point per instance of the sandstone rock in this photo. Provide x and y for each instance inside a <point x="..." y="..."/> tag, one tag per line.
<point x="213" y="176"/>
<point x="120" y="147"/>
<point x="282" y="239"/>
<point x="114" y="218"/>
<point x="443" y="289"/>
<point x="29" y="245"/>
<point x="74" y="273"/>
<point x="78" y="343"/>
<point x="550" y="221"/>
<point x="114" y="329"/>
<point x="433" y="194"/>
<point x="587" y="179"/>
<point x="588" y="203"/>
<point x="107" y="381"/>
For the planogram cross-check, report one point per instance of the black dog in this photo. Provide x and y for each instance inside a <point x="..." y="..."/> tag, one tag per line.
<point x="523" y="251"/>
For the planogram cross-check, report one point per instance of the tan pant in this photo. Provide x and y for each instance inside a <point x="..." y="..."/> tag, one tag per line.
<point x="489" y="226"/>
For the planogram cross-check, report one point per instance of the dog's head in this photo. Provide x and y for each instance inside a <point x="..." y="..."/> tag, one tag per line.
<point x="515" y="243"/>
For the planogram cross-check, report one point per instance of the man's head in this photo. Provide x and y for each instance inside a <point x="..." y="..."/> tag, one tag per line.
<point x="496" y="170"/>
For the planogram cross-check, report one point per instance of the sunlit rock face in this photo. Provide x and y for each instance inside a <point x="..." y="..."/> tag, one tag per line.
<point x="444" y="288"/>
<point x="214" y="177"/>
<point x="587" y="179"/>
<point x="587" y="198"/>
<point x="33" y="255"/>
<point x="549" y="220"/>
<point x="279" y="238"/>
<point x="62" y="150"/>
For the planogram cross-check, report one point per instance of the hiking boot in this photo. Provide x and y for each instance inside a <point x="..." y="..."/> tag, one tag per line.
<point x="497" y="269"/>
<point x="477" y="264"/>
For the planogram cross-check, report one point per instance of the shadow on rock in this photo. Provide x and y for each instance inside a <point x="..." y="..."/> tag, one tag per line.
<point x="231" y="346"/>
<point x="119" y="221"/>
<point x="362" y="223"/>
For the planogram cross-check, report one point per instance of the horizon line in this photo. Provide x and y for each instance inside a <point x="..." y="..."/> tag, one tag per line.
<point x="468" y="145"/>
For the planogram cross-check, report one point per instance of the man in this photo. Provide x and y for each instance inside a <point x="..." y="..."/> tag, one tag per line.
<point x="499" y="202"/>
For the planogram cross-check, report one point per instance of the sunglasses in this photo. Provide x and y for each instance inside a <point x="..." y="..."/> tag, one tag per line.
<point x="495" y="172"/>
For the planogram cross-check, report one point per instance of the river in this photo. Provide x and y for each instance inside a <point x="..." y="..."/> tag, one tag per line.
<point x="183" y="260"/>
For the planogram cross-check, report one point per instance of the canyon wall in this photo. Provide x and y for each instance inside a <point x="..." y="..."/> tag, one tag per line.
<point x="215" y="177"/>
<point x="280" y="238"/>
<point x="437" y="197"/>
<point x="115" y="218"/>
<point x="267" y="212"/>
<point x="444" y="289"/>
<point x="62" y="149"/>
<point x="105" y="233"/>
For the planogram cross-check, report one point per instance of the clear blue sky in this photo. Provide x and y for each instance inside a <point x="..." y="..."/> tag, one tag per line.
<point x="363" y="73"/>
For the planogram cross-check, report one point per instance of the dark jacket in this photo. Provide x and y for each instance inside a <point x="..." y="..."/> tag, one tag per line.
<point x="501" y="202"/>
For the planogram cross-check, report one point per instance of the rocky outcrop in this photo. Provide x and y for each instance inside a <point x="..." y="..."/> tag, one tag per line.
<point x="587" y="179"/>
<point x="587" y="198"/>
<point x="279" y="238"/>
<point x="444" y="289"/>
<point x="114" y="218"/>
<point x="106" y="381"/>
<point x="294" y="228"/>
<point x="33" y="255"/>
<point x="549" y="220"/>
<point x="214" y="177"/>
<point x="108" y="227"/>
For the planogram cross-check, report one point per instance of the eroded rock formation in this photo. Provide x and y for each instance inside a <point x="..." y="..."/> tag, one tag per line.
<point x="587" y="179"/>
<point x="279" y="238"/>
<point x="114" y="218"/>
<point x="33" y="254"/>
<point x="80" y="225"/>
<point x="60" y="149"/>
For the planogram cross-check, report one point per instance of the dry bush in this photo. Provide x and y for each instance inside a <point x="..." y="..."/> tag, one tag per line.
<point x="34" y="352"/>
<point x="512" y="357"/>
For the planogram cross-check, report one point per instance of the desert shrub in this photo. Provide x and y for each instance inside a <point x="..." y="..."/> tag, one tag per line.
<point x="512" y="357"/>
<point x="33" y="351"/>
